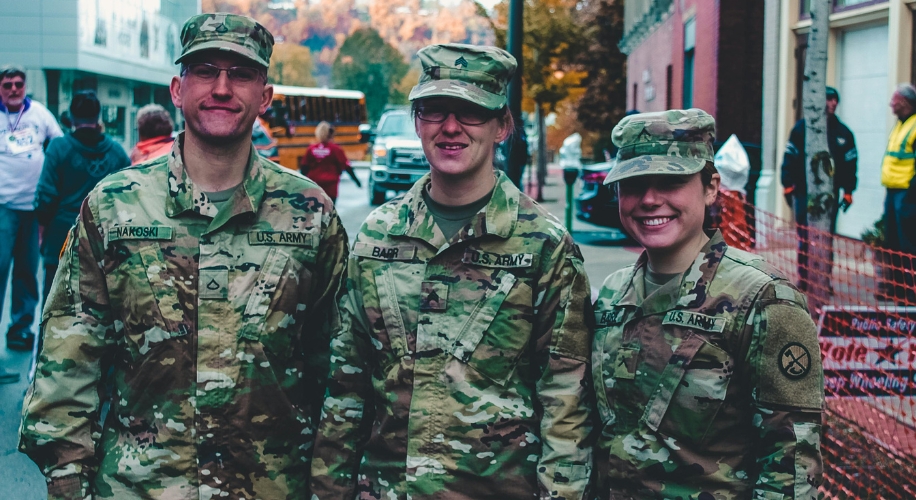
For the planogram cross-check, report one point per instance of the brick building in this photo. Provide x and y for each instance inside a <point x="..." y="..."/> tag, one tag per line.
<point x="705" y="54"/>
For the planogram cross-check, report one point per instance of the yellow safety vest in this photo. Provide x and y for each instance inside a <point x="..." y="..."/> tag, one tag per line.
<point x="898" y="167"/>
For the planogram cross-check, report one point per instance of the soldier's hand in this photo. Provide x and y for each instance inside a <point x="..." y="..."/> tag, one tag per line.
<point x="787" y="193"/>
<point x="847" y="201"/>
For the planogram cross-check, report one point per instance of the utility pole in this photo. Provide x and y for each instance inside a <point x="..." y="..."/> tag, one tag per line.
<point x="821" y="204"/>
<point x="517" y="147"/>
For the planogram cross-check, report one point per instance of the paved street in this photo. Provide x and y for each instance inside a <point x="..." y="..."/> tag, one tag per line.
<point x="20" y="479"/>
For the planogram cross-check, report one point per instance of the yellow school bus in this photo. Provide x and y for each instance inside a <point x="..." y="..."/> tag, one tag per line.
<point x="297" y="110"/>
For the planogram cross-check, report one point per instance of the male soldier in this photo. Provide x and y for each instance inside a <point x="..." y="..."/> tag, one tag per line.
<point x="462" y="365"/>
<point x="842" y="146"/>
<point x="25" y="128"/>
<point x="707" y="368"/>
<point x="205" y="278"/>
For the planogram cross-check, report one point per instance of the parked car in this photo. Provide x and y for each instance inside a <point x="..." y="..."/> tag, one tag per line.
<point x="397" y="158"/>
<point x="597" y="202"/>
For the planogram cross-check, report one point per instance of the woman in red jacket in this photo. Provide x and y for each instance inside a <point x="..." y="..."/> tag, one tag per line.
<point x="325" y="161"/>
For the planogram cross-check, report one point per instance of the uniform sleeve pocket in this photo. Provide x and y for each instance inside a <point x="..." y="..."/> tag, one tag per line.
<point x="486" y="344"/>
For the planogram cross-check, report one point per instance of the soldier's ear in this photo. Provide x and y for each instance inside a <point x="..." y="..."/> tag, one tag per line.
<point x="175" y="91"/>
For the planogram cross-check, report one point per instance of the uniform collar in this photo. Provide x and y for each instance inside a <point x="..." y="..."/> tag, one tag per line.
<point x="414" y="219"/>
<point x="688" y="292"/>
<point x="184" y="195"/>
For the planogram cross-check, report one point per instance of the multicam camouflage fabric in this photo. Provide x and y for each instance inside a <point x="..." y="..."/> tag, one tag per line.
<point x="474" y="73"/>
<point x="460" y="367"/>
<point x="215" y="323"/>
<point x="667" y="142"/>
<point x="709" y="388"/>
<point x="221" y="31"/>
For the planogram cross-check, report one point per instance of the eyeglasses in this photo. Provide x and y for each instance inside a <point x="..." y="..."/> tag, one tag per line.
<point x="237" y="74"/>
<point x="9" y="85"/>
<point x="470" y="116"/>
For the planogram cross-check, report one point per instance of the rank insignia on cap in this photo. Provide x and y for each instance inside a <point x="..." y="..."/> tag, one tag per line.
<point x="794" y="360"/>
<point x="461" y="61"/>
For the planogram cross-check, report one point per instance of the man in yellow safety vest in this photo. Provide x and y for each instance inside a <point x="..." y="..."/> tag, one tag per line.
<point x="897" y="172"/>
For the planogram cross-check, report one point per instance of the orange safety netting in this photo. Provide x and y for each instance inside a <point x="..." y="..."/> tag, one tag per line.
<point x="866" y="316"/>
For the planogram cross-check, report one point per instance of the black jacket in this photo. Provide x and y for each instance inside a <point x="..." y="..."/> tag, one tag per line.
<point x="73" y="165"/>
<point x="842" y="146"/>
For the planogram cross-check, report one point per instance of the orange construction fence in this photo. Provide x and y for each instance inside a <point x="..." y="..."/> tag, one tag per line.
<point x="866" y="317"/>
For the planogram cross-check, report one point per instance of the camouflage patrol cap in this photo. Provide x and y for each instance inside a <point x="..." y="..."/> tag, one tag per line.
<point x="230" y="32"/>
<point x="677" y="141"/>
<point x="474" y="73"/>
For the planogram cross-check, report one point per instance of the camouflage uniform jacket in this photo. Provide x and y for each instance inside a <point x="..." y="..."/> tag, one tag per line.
<point x="214" y="323"/>
<point x="711" y="387"/>
<point x="460" y="371"/>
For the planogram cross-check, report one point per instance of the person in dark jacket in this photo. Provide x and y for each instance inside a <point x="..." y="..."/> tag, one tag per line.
<point x="842" y="146"/>
<point x="73" y="165"/>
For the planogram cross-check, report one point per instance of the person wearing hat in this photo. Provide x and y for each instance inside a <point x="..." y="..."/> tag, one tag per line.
<point x="897" y="172"/>
<point x="842" y="147"/>
<point x="706" y="365"/>
<point x="73" y="165"/>
<point x="459" y="370"/>
<point x="201" y="285"/>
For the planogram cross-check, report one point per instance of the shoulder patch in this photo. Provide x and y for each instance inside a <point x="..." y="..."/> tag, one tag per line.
<point x="794" y="360"/>
<point x="116" y="233"/>
<point x="385" y="252"/>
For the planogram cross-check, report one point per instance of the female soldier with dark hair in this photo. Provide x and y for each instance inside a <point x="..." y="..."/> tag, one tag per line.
<point x="707" y="369"/>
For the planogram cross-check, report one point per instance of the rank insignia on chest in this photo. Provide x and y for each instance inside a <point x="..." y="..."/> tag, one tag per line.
<point x="697" y="321"/>
<point x="497" y="260"/>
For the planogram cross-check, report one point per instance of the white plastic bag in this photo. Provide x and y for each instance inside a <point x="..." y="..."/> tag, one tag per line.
<point x="571" y="152"/>
<point x="733" y="165"/>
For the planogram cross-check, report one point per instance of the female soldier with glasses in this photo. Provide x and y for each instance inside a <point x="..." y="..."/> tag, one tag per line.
<point x="458" y="368"/>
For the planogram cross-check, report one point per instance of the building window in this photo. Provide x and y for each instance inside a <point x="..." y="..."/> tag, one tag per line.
<point x="801" y="52"/>
<point x="836" y="6"/>
<point x="635" y="96"/>
<point x="690" y="39"/>
<point x="669" y="76"/>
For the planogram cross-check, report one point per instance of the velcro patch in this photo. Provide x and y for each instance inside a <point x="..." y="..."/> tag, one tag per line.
<point x="294" y="238"/>
<point x="116" y="233"/>
<point x="500" y="261"/>
<point x="390" y="253"/>
<point x="789" y="365"/>
<point x="697" y="321"/>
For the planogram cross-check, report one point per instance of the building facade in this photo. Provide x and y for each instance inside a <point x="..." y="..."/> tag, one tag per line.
<point x="705" y="54"/>
<point x="122" y="49"/>
<point x="870" y="52"/>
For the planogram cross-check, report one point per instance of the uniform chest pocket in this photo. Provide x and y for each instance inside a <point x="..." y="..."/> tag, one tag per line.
<point x="277" y="305"/>
<point x="496" y="332"/>
<point x="148" y="300"/>
<point x="698" y="395"/>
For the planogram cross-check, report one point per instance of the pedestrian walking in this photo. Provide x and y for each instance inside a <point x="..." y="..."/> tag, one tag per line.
<point x="842" y="147"/>
<point x="897" y="171"/>
<point x="155" y="127"/>
<point x="706" y="362"/>
<point x="325" y="161"/>
<point x="206" y="280"/>
<point x="25" y="128"/>
<point x="73" y="165"/>
<point x="458" y="370"/>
